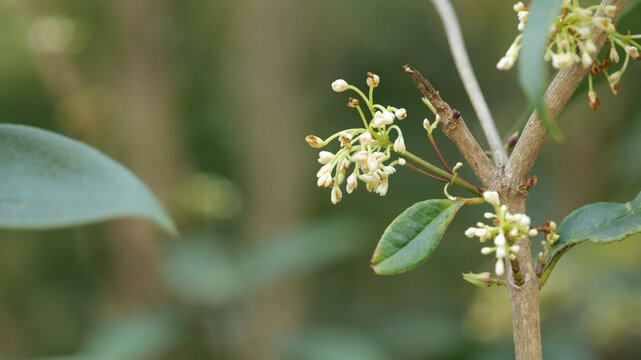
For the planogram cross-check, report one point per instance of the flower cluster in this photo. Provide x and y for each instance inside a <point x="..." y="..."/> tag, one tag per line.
<point x="570" y="42"/>
<point x="367" y="148"/>
<point x="506" y="230"/>
<point x="551" y="236"/>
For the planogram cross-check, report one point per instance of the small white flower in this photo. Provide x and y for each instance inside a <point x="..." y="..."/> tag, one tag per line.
<point x="339" y="85"/>
<point x="325" y="180"/>
<point x="499" y="240"/>
<point x="323" y="170"/>
<point x="514" y="233"/>
<point x="519" y="7"/>
<point x="562" y="61"/>
<point x="380" y="156"/>
<point x="515" y="249"/>
<point x="492" y="197"/>
<point x="372" y="163"/>
<point x="505" y="63"/>
<point x="524" y="221"/>
<point x="614" y="55"/>
<point x="586" y="60"/>
<point x="584" y="32"/>
<point x="500" y="252"/>
<point x="583" y="14"/>
<point x="360" y="157"/>
<point x="373" y="80"/>
<point x="426" y="124"/>
<point x="337" y="194"/>
<point x="552" y="225"/>
<point x="365" y="139"/>
<point x="314" y="141"/>
<point x="388" y="170"/>
<point x="499" y="267"/>
<point x="613" y="80"/>
<point x="401" y="162"/>
<point x="399" y="145"/>
<point x="352" y="183"/>
<point x="486" y="250"/>
<point x="489" y="215"/>
<point x="470" y="232"/>
<point x="610" y="10"/>
<point x="632" y="51"/>
<point x="382" y="187"/>
<point x="401" y="114"/>
<point x="604" y="24"/>
<point x="388" y="117"/>
<point x="379" y="119"/>
<point x="590" y="47"/>
<point x="532" y="232"/>
<point x="324" y="157"/>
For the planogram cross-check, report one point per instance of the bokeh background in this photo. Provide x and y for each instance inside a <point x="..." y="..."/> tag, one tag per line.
<point x="209" y="103"/>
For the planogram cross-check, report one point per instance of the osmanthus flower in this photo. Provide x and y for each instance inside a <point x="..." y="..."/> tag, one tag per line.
<point x="570" y="42"/>
<point x="364" y="154"/>
<point x="503" y="234"/>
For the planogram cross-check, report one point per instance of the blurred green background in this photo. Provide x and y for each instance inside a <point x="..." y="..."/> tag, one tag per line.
<point x="209" y="103"/>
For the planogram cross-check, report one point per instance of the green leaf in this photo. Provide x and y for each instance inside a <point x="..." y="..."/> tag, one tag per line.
<point x="50" y="181"/>
<point x="600" y="223"/>
<point x="533" y="74"/>
<point x="412" y="237"/>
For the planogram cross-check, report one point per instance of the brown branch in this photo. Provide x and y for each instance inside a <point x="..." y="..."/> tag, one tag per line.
<point x="556" y="97"/>
<point x="454" y="127"/>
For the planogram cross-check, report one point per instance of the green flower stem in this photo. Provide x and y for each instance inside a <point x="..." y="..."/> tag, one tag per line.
<point x="442" y="173"/>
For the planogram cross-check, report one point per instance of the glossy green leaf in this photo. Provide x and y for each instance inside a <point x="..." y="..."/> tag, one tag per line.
<point x="533" y="74"/>
<point x="412" y="237"/>
<point x="600" y="223"/>
<point x="50" y="181"/>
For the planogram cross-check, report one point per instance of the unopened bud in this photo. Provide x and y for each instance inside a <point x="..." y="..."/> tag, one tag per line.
<point x="339" y="85"/>
<point x="314" y="141"/>
<point x="373" y="80"/>
<point x="483" y="279"/>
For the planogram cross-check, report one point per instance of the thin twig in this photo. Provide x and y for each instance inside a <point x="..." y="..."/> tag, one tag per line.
<point x="438" y="152"/>
<point x="464" y="67"/>
<point x="426" y="173"/>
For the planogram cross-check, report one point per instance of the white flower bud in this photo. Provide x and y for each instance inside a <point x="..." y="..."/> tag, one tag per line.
<point x="488" y="215"/>
<point x="389" y="170"/>
<point x="360" y="157"/>
<point x="500" y="252"/>
<point x="584" y="32"/>
<point x="480" y="233"/>
<point x="379" y="119"/>
<point x="401" y="114"/>
<point x="492" y="197"/>
<point x="372" y="163"/>
<point x="314" y="141"/>
<point x="399" y="145"/>
<point x="519" y="7"/>
<point x="503" y="209"/>
<point x="365" y="138"/>
<point x="515" y="249"/>
<point x="323" y="170"/>
<point x="590" y="47"/>
<point x="352" y="183"/>
<point x="499" y="240"/>
<point x="614" y="55"/>
<point x="388" y="117"/>
<point x="604" y="24"/>
<point x="470" y="232"/>
<point x="552" y="225"/>
<point x="401" y="162"/>
<point x="339" y="85"/>
<point x="532" y="232"/>
<point x="499" y="268"/>
<point x="610" y="10"/>
<point x="514" y="233"/>
<point x="562" y="61"/>
<point x="524" y="220"/>
<point x="613" y="80"/>
<point x="632" y="51"/>
<point x="505" y="63"/>
<point x="426" y="124"/>
<point x="486" y="250"/>
<point x="324" y="157"/>
<point x="583" y="14"/>
<point x="337" y="194"/>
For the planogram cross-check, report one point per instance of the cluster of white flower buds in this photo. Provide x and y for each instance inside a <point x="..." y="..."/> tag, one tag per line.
<point x="570" y="42"/>
<point x="367" y="148"/>
<point x="506" y="230"/>
<point x="551" y="237"/>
